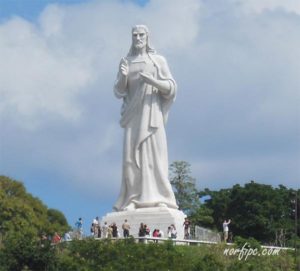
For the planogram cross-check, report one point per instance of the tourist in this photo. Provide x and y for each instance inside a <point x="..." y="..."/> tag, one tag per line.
<point x="105" y="230"/>
<point x="156" y="234"/>
<point x="142" y="232"/>
<point x="79" y="228"/>
<point x="173" y="231"/>
<point x="169" y="232"/>
<point x="67" y="237"/>
<point x="56" y="238"/>
<point x="147" y="230"/>
<point x="96" y="221"/>
<point x="126" y="228"/>
<point x="114" y="230"/>
<point x="226" y="229"/>
<point x="186" y="226"/>
<point x="109" y="231"/>
<point x="99" y="231"/>
<point x="147" y="233"/>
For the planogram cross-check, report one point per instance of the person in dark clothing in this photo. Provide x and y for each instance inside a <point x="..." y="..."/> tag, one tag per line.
<point x="142" y="232"/>
<point x="114" y="230"/>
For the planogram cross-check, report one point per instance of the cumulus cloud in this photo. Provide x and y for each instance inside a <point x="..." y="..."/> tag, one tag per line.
<point x="236" y="111"/>
<point x="259" y="6"/>
<point x="37" y="80"/>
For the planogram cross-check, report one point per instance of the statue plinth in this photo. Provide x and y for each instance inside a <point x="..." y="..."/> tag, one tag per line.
<point x="155" y="218"/>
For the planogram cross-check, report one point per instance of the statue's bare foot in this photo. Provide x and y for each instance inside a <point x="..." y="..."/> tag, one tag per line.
<point x="130" y="207"/>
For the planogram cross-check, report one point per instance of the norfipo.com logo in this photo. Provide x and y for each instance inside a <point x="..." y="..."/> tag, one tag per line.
<point x="246" y="251"/>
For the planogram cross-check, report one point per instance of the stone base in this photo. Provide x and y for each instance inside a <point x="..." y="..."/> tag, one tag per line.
<point x="155" y="218"/>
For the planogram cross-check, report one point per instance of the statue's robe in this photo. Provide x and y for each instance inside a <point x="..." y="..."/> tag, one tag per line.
<point x="144" y="113"/>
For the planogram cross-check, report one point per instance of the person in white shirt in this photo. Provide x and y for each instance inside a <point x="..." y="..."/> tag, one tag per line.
<point x="105" y="230"/>
<point x="226" y="229"/>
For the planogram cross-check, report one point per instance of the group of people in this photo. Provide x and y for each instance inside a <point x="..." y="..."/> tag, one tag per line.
<point x="109" y="230"/>
<point x="53" y="239"/>
<point x="112" y="231"/>
<point x="144" y="231"/>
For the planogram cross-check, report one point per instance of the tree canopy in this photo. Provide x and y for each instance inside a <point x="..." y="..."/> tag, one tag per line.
<point x="19" y="210"/>
<point x="23" y="220"/>
<point x="256" y="210"/>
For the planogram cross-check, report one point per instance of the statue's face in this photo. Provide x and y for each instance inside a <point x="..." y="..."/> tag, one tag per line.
<point x="139" y="38"/>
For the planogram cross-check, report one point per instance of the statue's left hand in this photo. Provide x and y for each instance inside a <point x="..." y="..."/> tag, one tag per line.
<point x="148" y="78"/>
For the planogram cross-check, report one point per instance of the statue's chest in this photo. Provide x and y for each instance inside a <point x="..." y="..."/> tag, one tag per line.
<point x="138" y="66"/>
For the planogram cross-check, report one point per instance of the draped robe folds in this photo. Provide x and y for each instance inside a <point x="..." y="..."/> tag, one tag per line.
<point x="144" y="113"/>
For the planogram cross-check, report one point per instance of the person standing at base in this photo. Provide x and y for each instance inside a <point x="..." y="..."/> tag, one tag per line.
<point x="169" y="232"/>
<point x="105" y="230"/>
<point x="79" y="228"/>
<point x="173" y="232"/>
<point x="56" y="238"/>
<point x="142" y="232"/>
<point x="126" y="228"/>
<point x="114" y="230"/>
<point x="226" y="229"/>
<point x="186" y="225"/>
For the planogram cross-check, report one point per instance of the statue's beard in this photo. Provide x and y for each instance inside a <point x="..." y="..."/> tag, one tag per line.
<point x="139" y="46"/>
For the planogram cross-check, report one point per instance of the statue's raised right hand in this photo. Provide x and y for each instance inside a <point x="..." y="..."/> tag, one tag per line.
<point x="124" y="67"/>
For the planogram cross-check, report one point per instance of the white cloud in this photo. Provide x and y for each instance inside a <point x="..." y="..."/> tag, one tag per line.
<point x="259" y="6"/>
<point x="238" y="87"/>
<point x="37" y="80"/>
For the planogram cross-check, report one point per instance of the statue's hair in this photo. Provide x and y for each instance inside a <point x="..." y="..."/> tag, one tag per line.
<point x="149" y="49"/>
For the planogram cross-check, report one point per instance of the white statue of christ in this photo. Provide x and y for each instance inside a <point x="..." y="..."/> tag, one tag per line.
<point x="147" y="88"/>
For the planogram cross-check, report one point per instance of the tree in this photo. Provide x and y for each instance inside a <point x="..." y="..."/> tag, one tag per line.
<point x="19" y="209"/>
<point x="23" y="218"/>
<point x="184" y="187"/>
<point x="202" y="216"/>
<point x="56" y="219"/>
<point x="256" y="210"/>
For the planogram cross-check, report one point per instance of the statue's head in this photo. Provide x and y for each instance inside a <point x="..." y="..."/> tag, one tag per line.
<point x="140" y="39"/>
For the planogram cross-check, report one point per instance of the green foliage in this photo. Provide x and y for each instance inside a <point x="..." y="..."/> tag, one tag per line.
<point x="202" y="217"/>
<point x="126" y="255"/>
<point x="256" y="210"/>
<point x="209" y="262"/>
<point x="241" y="242"/>
<point x="57" y="221"/>
<point x="20" y="210"/>
<point x="119" y="255"/>
<point x="23" y="250"/>
<point x="23" y="219"/>
<point x="184" y="185"/>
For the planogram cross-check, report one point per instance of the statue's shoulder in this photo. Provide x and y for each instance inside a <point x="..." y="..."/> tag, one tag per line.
<point x="159" y="59"/>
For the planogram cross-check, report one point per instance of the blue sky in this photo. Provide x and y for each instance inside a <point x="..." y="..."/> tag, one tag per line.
<point x="236" y="117"/>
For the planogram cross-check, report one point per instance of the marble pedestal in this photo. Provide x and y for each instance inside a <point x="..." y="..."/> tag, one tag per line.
<point x="155" y="218"/>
